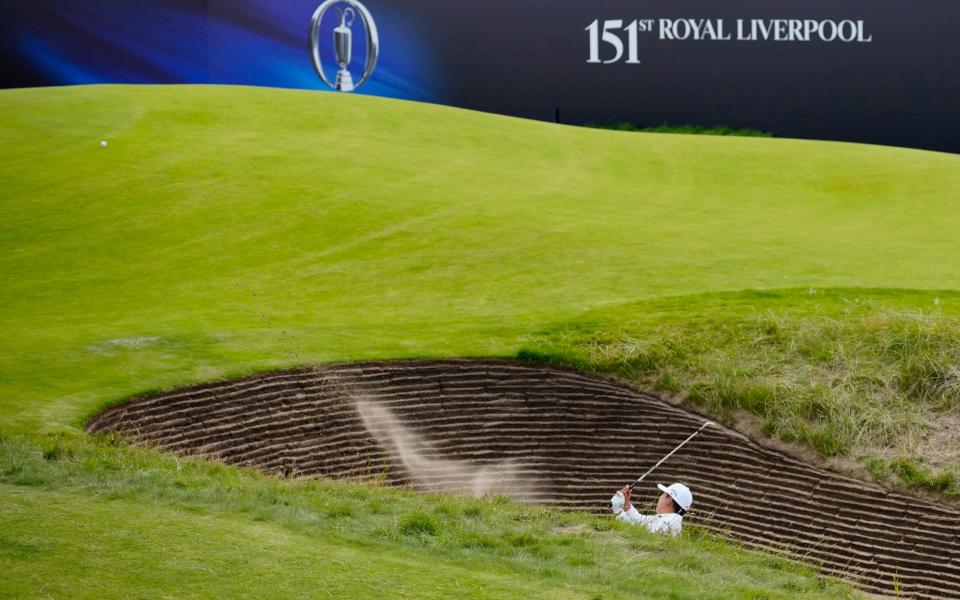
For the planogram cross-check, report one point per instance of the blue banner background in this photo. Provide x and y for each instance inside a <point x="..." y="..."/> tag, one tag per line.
<point x="529" y="58"/>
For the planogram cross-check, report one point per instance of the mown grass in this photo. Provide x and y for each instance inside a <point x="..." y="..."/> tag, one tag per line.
<point x="847" y="372"/>
<point x="684" y="129"/>
<point x="346" y="228"/>
<point x="185" y="528"/>
<point x="230" y="230"/>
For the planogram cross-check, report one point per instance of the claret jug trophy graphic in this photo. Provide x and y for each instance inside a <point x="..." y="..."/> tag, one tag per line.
<point x="347" y="10"/>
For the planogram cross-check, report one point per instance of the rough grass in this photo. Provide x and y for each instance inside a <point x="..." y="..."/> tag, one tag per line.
<point x="184" y="528"/>
<point x="870" y="375"/>
<point x="685" y="129"/>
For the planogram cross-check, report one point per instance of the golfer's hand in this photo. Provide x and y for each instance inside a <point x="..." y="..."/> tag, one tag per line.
<point x="626" y="497"/>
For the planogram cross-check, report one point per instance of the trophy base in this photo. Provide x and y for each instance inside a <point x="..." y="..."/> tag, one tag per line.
<point x="344" y="81"/>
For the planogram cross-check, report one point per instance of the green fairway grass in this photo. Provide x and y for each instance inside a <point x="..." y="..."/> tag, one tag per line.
<point x="228" y="230"/>
<point x="99" y="522"/>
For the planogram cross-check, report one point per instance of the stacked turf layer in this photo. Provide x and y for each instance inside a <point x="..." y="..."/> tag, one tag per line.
<point x="229" y="230"/>
<point x="554" y="438"/>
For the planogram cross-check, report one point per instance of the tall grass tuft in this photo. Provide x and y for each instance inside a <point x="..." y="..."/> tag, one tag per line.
<point x="847" y="378"/>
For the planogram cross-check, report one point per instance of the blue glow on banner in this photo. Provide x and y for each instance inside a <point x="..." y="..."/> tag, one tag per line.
<point x="244" y="42"/>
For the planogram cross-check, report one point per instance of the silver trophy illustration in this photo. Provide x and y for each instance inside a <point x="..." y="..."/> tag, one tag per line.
<point x="343" y="43"/>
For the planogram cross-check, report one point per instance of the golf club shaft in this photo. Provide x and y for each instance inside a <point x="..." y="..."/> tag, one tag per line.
<point x="650" y="470"/>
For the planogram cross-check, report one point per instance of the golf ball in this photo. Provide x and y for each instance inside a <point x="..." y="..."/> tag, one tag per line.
<point x="103" y="143"/>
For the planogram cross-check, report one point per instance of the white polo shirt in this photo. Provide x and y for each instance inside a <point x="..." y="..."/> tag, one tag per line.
<point x="670" y="523"/>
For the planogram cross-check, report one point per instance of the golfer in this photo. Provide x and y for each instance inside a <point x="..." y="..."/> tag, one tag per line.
<point x="674" y="502"/>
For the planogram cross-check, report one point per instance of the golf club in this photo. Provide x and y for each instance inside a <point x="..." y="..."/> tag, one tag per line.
<point x="650" y="470"/>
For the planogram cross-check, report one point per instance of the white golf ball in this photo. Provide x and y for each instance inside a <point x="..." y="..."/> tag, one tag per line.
<point x="103" y="143"/>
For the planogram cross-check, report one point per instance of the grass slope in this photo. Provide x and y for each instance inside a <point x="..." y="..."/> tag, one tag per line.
<point x="868" y="374"/>
<point x="75" y="523"/>
<point x="227" y="230"/>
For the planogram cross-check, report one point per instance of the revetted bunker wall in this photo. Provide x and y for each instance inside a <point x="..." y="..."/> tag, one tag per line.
<point x="555" y="437"/>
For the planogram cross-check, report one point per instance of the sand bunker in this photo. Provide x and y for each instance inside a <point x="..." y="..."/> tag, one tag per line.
<point x="552" y="437"/>
<point x="426" y="466"/>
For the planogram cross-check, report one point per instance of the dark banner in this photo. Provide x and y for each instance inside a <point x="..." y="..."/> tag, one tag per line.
<point x="886" y="71"/>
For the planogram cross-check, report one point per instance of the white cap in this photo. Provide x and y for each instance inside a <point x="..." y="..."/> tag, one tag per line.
<point x="680" y="494"/>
